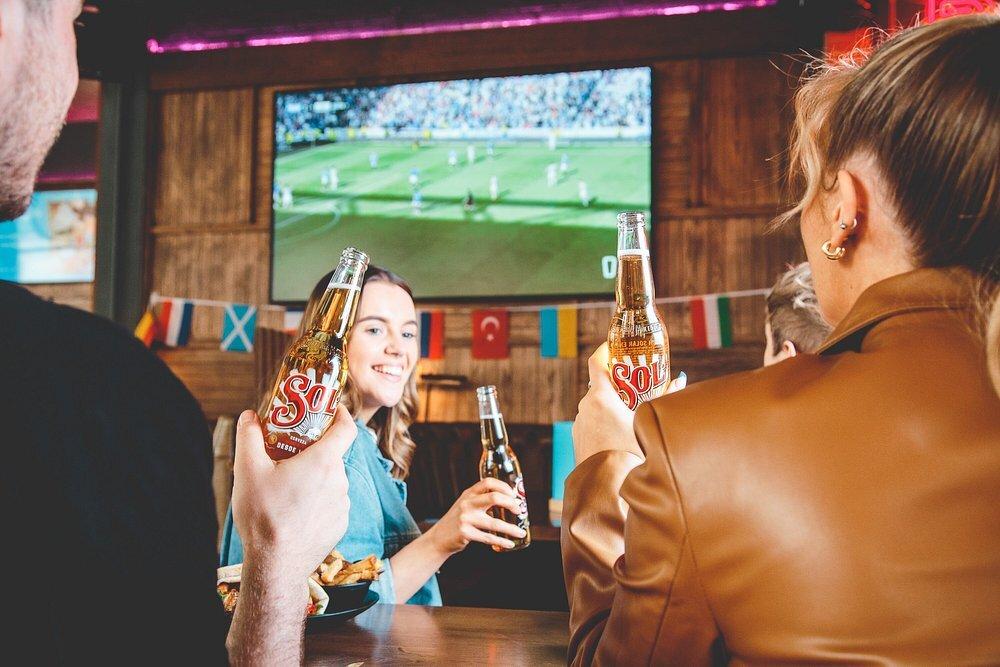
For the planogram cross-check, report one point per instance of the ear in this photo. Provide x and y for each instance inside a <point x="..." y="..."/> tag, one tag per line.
<point x="849" y="193"/>
<point x="788" y="347"/>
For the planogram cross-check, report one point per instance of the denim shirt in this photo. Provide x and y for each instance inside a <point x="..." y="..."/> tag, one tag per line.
<point x="378" y="522"/>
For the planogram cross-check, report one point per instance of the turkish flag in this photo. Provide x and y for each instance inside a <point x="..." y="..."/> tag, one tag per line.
<point x="490" y="333"/>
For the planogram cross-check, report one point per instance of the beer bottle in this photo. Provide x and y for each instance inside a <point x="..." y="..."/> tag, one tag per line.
<point x="637" y="339"/>
<point x="499" y="461"/>
<point x="307" y="390"/>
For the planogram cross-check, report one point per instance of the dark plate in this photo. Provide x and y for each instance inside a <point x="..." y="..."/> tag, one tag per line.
<point x="329" y="620"/>
<point x="346" y="596"/>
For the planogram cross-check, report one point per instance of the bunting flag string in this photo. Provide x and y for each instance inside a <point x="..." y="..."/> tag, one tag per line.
<point x="168" y="320"/>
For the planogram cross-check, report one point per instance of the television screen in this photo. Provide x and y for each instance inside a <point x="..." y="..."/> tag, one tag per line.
<point x="472" y="188"/>
<point x="53" y="242"/>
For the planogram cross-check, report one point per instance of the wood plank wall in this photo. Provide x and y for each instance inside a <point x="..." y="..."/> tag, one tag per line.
<point x="720" y="127"/>
<point x="77" y="295"/>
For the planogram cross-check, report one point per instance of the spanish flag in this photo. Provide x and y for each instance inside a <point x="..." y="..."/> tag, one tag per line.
<point x="557" y="330"/>
<point x="146" y="329"/>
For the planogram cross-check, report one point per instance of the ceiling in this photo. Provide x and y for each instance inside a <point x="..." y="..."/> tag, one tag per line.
<point x="115" y="32"/>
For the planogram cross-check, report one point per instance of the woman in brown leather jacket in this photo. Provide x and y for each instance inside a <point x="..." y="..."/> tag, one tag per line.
<point x="843" y="506"/>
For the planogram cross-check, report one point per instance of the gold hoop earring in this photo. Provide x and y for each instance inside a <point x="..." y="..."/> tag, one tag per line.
<point x="831" y="252"/>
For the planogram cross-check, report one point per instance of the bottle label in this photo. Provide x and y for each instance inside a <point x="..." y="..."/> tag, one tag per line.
<point x="305" y="405"/>
<point x="522" y="516"/>
<point x="639" y="382"/>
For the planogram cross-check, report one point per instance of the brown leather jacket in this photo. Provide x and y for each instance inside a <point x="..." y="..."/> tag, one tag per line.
<point x="840" y="507"/>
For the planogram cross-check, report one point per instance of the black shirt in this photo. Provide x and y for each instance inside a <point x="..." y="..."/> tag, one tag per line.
<point x="108" y="519"/>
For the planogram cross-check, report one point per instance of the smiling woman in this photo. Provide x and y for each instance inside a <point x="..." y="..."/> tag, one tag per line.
<point x="380" y="394"/>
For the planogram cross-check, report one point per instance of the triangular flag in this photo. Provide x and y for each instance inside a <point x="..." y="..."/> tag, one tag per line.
<point x="711" y="326"/>
<point x="175" y="322"/>
<point x="238" y="323"/>
<point x="490" y="332"/>
<point x="146" y="329"/>
<point x="432" y="334"/>
<point x="558" y="332"/>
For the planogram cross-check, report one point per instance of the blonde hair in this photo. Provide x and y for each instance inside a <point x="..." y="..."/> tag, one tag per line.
<point x="925" y="105"/>
<point x="793" y="312"/>
<point x="391" y="425"/>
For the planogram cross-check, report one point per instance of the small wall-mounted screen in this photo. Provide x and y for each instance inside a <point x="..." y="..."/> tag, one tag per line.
<point x="53" y="242"/>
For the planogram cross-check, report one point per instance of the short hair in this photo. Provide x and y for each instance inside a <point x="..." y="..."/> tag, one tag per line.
<point x="793" y="311"/>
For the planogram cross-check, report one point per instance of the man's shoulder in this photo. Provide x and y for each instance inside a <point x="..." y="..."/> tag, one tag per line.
<point x="76" y="346"/>
<point x="32" y="319"/>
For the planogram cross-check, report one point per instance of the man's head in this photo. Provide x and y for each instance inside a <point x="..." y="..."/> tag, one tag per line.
<point x="794" y="323"/>
<point x="38" y="77"/>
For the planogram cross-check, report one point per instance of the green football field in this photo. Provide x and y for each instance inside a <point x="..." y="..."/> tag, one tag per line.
<point x="533" y="239"/>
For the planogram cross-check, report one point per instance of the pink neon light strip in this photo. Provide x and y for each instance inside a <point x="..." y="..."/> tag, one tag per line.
<point x="156" y="47"/>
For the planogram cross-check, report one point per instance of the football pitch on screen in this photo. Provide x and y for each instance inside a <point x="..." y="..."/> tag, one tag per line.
<point x="530" y="233"/>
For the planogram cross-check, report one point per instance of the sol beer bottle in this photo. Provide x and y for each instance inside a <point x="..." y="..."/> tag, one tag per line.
<point x="637" y="340"/>
<point x="499" y="462"/>
<point x="307" y="389"/>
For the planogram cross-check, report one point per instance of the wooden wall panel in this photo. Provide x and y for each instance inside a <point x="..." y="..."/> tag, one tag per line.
<point x="77" y="295"/>
<point x="212" y="265"/>
<point x="223" y="382"/>
<point x="744" y="131"/>
<point x="204" y="158"/>
<point x="676" y="96"/>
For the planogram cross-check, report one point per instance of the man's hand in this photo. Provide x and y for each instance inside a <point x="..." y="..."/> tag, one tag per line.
<point x="603" y="421"/>
<point x="291" y="513"/>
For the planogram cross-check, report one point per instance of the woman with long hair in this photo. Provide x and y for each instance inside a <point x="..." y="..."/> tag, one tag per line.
<point x="842" y="506"/>
<point x="381" y="395"/>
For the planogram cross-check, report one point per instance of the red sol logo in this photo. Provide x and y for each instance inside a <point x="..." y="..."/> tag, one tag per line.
<point x="639" y="383"/>
<point x="301" y="397"/>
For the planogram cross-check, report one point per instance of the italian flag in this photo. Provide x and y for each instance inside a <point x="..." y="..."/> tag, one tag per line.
<point x="711" y="327"/>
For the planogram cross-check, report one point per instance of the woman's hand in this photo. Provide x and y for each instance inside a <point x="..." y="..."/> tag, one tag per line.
<point x="603" y="421"/>
<point x="468" y="520"/>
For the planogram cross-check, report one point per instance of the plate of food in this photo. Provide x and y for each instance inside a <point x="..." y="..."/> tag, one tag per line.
<point x="338" y="589"/>
<point x="345" y="583"/>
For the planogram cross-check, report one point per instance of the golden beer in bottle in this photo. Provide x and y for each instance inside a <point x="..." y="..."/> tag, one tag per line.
<point x="500" y="462"/>
<point x="308" y="387"/>
<point x="637" y="339"/>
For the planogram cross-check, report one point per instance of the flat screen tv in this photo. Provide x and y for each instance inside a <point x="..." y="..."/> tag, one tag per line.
<point x="500" y="187"/>
<point x="53" y="242"/>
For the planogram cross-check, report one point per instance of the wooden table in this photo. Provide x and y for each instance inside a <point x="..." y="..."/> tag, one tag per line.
<point x="413" y="635"/>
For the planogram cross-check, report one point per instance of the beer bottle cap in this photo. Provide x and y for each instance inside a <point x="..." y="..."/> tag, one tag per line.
<point x="631" y="218"/>
<point x="353" y="254"/>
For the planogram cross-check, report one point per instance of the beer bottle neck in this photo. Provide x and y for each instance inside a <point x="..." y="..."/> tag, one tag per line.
<point x="634" y="286"/>
<point x="335" y="312"/>
<point x="492" y="428"/>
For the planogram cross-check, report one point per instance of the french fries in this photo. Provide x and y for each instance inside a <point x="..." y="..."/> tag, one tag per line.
<point x="336" y="571"/>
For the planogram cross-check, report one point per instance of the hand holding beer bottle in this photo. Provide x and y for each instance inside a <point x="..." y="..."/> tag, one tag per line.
<point x="308" y="387"/>
<point x="500" y="462"/>
<point x="637" y="338"/>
